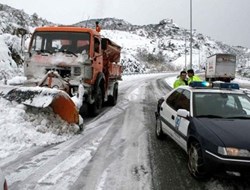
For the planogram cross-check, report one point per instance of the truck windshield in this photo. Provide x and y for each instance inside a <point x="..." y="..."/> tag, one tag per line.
<point x="51" y="42"/>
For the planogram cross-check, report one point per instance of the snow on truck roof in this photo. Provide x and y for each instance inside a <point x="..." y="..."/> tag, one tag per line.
<point x="67" y="29"/>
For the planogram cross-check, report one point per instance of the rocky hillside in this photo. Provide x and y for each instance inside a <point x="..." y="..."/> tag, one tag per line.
<point x="146" y="48"/>
<point x="11" y="19"/>
<point x="169" y="42"/>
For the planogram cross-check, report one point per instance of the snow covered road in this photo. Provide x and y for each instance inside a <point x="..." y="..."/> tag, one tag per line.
<point x="116" y="150"/>
<point x="111" y="152"/>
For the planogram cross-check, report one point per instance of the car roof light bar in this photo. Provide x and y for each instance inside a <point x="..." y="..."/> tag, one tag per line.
<point x="218" y="84"/>
<point x="200" y="84"/>
<point x="226" y="85"/>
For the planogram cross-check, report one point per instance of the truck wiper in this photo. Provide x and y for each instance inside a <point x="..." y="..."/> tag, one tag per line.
<point x="68" y="52"/>
<point x="44" y="51"/>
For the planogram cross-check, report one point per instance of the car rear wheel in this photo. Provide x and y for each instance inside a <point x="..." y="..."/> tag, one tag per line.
<point x="196" y="165"/>
<point x="158" y="129"/>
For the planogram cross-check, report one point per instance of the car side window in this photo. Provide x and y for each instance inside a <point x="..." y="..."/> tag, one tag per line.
<point x="173" y="98"/>
<point x="184" y="101"/>
<point x="179" y="99"/>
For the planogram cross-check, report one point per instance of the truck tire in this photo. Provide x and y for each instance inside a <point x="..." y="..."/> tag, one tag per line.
<point x="95" y="108"/>
<point x="112" y="100"/>
<point x="83" y="111"/>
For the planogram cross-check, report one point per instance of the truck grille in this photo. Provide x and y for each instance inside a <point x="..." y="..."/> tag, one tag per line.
<point x="63" y="72"/>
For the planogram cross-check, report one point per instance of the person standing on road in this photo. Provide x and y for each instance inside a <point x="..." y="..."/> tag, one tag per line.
<point x="192" y="77"/>
<point x="181" y="80"/>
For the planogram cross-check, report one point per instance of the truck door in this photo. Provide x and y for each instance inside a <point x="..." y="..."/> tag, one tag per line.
<point x="98" y="58"/>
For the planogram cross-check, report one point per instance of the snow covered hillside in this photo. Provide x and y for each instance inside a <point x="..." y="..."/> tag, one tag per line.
<point x="162" y="46"/>
<point x="147" y="48"/>
<point x="8" y="68"/>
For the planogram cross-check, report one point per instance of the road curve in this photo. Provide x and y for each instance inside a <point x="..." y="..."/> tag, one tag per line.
<point x="116" y="150"/>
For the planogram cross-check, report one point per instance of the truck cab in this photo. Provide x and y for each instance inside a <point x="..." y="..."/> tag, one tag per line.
<point x="74" y="56"/>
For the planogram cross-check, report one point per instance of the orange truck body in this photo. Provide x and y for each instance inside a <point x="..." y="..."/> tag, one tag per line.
<point x="74" y="58"/>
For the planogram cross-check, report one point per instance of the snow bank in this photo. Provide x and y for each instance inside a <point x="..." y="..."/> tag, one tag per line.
<point x="21" y="127"/>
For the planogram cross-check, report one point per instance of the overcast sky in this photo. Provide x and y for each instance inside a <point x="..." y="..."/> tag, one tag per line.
<point x="223" y="20"/>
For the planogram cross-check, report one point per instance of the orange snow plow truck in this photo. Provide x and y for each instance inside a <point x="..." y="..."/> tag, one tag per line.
<point x="73" y="70"/>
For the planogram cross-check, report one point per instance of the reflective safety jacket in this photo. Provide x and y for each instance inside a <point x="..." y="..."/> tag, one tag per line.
<point x="194" y="78"/>
<point x="179" y="82"/>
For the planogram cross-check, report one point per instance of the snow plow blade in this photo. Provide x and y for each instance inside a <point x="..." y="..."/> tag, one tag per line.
<point x="42" y="97"/>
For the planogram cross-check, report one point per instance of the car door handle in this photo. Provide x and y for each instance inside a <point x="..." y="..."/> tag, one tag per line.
<point x="172" y="117"/>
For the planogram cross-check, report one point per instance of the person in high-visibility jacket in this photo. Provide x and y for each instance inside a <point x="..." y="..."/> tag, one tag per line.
<point x="181" y="80"/>
<point x="192" y="77"/>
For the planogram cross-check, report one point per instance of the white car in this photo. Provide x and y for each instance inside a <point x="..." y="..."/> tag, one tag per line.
<point x="211" y="123"/>
<point x="3" y="183"/>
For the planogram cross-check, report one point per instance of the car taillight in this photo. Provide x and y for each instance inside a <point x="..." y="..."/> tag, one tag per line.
<point x="5" y="186"/>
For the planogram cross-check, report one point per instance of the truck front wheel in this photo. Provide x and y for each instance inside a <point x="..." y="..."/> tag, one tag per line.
<point x="83" y="111"/>
<point x="95" y="108"/>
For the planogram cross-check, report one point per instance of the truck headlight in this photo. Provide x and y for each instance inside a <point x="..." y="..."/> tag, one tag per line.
<point x="230" y="151"/>
<point x="77" y="71"/>
<point x="88" y="72"/>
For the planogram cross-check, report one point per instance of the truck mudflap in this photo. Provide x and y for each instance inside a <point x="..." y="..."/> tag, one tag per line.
<point x="42" y="97"/>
